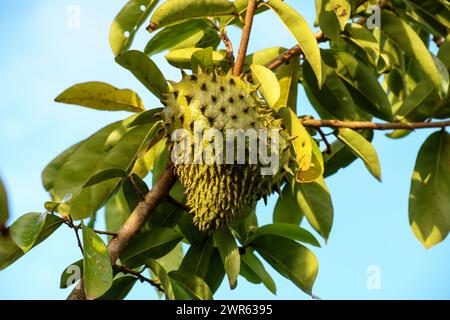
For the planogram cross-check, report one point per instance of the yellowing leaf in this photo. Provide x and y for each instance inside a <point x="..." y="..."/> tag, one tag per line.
<point x="97" y="270"/>
<point x="270" y="88"/>
<point x="102" y="96"/>
<point x="127" y="22"/>
<point x="173" y="12"/>
<point x="333" y="15"/>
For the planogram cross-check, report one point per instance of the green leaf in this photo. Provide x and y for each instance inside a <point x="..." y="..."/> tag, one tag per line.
<point x="127" y="23"/>
<point x="333" y="16"/>
<point x="315" y="203"/>
<point x="286" y="209"/>
<point x="299" y="28"/>
<point x="113" y="147"/>
<point x="286" y="230"/>
<point x="216" y="273"/>
<point x="25" y="230"/>
<point x="154" y="243"/>
<point x="173" y="12"/>
<point x="270" y="88"/>
<point x="120" y="288"/>
<point x="252" y="264"/>
<point x="163" y="277"/>
<point x="291" y="259"/>
<point x="97" y="269"/>
<point x="341" y="155"/>
<point x="429" y="200"/>
<point x="361" y="148"/>
<point x="229" y="253"/>
<point x="71" y="275"/>
<point x="134" y="190"/>
<point x="145" y="70"/>
<point x="180" y="36"/>
<point x="172" y="260"/>
<point x="182" y="58"/>
<point x="4" y="210"/>
<point x="198" y="258"/>
<point x="362" y="78"/>
<point x="10" y="252"/>
<point x="105" y="175"/>
<point x="102" y="96"/>
<point x="50" y="172"/>
<point x="363" y="38"/>
<point x="146" y="117"/>
<point x="407" y="39"/>
<point x="202" y="60"/>
<point x="116" y="212"/>
<point x="189" y="285"/>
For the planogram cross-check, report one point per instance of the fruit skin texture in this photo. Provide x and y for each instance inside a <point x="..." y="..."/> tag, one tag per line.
<point x="219" y="192"/>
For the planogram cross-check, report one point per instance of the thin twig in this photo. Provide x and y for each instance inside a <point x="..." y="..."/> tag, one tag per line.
<point x="325" y="140"/>
<point x="311" y="123"/>
<point x="251" y="8"/>
<point x="80" y="226"/>
<point x="139" y="275"/>
<point x="72" y="225"/>
<point x="178" y="204"/>
<point x="226" y="41"/>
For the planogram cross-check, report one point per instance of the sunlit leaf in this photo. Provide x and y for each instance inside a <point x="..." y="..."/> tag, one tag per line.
<point x="26" y="230"/>
<point x="189" y="286"/>
<point x="229" y="252"/>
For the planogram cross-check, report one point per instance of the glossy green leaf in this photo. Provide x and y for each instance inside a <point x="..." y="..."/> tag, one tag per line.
<point x="198" y="258"/>
<point x="286" y="230"/>
<point x="97" y="269"/>
<point x="10" y="252"/>
<point x="216" y="272"/>
<point x="154" y="243"/>
<point x="315" y="203"/>
<point x="251" y="263"/>
<point x="4" y="210"/>
<point x="113" y="147"/>
<point x="172" y="260"/>
<point x="291" y="259"/>
<point x="127" y="23"/>
<point x="229" y="253"/>
<point x="301" y="31"/>
<point x="362" y="78"/>
<point x="105" y="175"/>
<point x="333" y="16"/>
<point x="286" y="209"/>
<point x="189" y="285"/>
<point x="173" y="12"/>
<point x="163" y="277"/>
<point x="26" y="230"/>
<point x="180" y="36"/>
<point x="341" y="156"/>
<point x="270" y="88"/>
<point x="363" y="38"/>
<point x="120" y="288"/>
<point x="404" y="35"/>
<point x="429" y="200"/>
<point x="101" y="96"/>
<point x="182" y="58"/>
<point x="71" y="275"/>
<point x="145" y="70"/>
<point x="361" y="148"/>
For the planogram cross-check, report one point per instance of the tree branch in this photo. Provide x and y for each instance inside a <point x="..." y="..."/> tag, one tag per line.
<point x="251" y="8"/>
<point x="311" y="123"/>
<point x="226" y="41"/>
<point x="134" y="223"/>
<point x="139" y="275"/>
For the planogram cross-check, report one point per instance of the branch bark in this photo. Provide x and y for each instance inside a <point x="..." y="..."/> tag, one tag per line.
<point x="134" y="223"/>
<point x="238" y="67"/>
<point x="226" y="41"/>
<point x="311" y="123"/>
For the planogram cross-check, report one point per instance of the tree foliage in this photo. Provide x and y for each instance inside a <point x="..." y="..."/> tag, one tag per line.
<point x="391" y="72"/>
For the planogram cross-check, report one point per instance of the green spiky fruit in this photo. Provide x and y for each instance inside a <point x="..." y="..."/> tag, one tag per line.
<point x="219" y="192"/>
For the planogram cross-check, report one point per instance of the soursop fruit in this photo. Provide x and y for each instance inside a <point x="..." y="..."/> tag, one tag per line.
<point x="222" y="183"/>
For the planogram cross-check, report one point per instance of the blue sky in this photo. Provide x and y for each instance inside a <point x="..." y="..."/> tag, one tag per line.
<point x="40" y="57"/>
